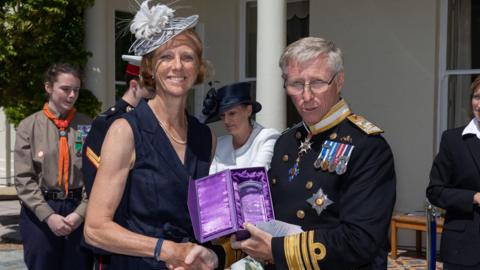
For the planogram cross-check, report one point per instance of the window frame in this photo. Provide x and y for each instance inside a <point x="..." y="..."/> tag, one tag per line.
<point x="443" y="73"/>
<point x="242" y="40"/>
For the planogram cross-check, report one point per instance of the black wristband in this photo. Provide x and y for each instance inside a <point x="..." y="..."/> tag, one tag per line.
<point x="158" y="248"/>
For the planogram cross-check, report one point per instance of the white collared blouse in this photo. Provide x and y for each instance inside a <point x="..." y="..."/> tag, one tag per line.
<point x="256" y="152"/>
<point x="472" y="128"/>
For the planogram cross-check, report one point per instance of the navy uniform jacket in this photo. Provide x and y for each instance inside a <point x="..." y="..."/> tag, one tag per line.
<point x="348" y="233"/>
<point x="91" y="152"/>
<point x="454" y="180"/>
<point x="95" y="138"/>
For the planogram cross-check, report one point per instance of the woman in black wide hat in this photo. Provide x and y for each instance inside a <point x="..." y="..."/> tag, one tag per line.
<point x="248" y="144"/>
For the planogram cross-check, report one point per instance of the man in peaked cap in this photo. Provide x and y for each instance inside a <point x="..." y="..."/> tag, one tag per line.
<point x="93" y="144"/>
<point x="332" y="174"/>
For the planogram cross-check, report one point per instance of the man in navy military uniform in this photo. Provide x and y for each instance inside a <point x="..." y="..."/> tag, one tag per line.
<point x="332" y="174"/>
<point x="93" y="144"/>
<point x="132" y="96"/>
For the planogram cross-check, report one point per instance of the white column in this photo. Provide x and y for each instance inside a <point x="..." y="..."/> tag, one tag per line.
<point x="271" y="39"/>
<point x="6" y="150"/>
<point x="8" y="153"/>
<point x="96" y="79"/>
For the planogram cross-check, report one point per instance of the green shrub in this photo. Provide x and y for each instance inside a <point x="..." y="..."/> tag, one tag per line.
<point x="35" y="34"/>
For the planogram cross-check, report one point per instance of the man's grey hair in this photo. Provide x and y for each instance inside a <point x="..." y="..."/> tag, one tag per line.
<point x="310" y="48"/>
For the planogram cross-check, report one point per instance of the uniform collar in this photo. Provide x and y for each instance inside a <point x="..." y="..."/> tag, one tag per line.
<point x="123" y="105"/>
<point x="472" y="128"/>
<point x="337" y="114"/>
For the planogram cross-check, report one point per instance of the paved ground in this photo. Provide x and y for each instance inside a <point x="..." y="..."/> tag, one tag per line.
<point x="11" y="250"/>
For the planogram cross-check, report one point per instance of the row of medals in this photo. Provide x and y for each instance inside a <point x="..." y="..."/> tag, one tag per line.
<point x="334" y="157"/>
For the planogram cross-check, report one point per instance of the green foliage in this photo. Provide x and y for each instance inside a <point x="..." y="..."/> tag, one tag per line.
<point x="88" y="104"/>
<point x="35" y="34"/>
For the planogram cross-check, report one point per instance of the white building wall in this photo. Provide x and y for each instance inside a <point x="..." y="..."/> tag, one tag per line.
<point x="390" y="54"/>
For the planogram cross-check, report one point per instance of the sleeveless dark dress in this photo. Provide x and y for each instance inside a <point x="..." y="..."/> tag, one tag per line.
<point x="154" y="202"/>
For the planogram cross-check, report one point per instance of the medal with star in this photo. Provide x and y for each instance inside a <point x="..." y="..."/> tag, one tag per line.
<point x="305" y="145"/>
<point x="319" y="201"/>
<point x="302" y="149"/>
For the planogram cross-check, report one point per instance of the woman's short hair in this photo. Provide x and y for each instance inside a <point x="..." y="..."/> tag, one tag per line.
<point x="310" y="48"/>
<point x="56" y="69"/>
<point x="475" y="85"/>
<point x="149" y="61"/>
<point x="473" y="88"/>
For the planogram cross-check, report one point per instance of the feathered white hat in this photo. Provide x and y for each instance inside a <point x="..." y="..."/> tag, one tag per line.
<point x="154" y="26"/>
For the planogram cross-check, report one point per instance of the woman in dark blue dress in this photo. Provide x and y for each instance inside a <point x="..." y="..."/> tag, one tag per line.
<point x="138" y="205"/>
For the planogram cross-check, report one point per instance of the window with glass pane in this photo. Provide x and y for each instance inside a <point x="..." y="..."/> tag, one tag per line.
<point x="251" y="40"/>
<point x="463" y="57"/>
<point x="463" y="44"/>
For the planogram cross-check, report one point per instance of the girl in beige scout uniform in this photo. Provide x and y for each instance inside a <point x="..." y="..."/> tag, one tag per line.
<point x="48" y="176"/>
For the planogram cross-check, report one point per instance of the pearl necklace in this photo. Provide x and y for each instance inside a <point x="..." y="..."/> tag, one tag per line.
<point x="177" y="140"/>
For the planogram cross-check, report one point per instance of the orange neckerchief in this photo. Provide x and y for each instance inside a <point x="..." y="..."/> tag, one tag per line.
<point x="63" y="154"/>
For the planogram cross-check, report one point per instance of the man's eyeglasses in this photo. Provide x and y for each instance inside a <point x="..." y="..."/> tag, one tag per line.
<point x="297" y="87"/>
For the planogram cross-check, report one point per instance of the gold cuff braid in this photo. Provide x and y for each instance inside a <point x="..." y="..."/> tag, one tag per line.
<point x="302" y="252"/>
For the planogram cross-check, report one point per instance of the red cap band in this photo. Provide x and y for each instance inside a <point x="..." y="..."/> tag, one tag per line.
<point x="133" y="70"/>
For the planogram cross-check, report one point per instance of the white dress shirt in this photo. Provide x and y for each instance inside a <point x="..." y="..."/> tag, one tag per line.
<point x="256" y="152"/>
<point x="472" y="128"/>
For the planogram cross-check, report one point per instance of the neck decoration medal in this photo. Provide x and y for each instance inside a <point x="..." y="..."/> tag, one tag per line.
<point x="302" y="149"/>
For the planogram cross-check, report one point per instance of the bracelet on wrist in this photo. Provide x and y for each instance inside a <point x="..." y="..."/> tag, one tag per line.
<point x="158" y="248"/>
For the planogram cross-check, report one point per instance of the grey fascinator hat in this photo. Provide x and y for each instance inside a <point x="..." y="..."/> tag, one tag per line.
<point x="154" y="26"/>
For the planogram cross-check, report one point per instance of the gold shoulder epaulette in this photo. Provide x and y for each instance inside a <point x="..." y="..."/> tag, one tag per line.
<point x="365" y="125"/>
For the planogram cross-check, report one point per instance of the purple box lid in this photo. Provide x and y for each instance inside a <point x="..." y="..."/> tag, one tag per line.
<point x="220" y="203"/>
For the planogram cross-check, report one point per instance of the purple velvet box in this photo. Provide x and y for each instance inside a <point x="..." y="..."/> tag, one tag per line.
<point x="220" y="203"/>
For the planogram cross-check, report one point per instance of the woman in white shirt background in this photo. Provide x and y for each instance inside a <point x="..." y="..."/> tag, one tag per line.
<point x="248" y="144"/>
